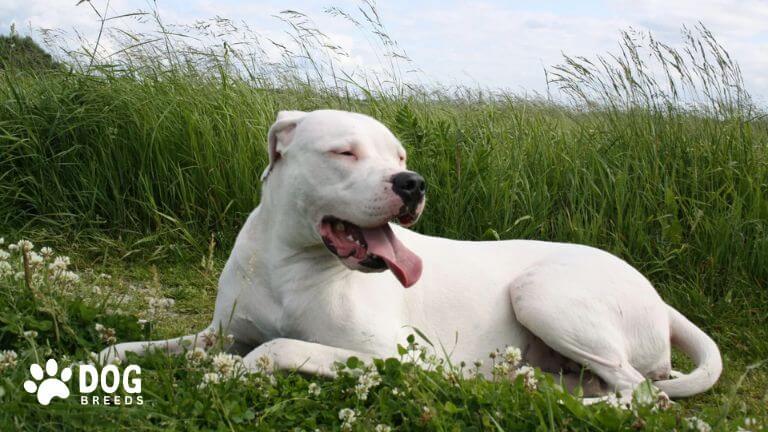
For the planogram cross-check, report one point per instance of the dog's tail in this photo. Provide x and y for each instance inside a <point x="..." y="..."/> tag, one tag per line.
<point x="701" y="349"/>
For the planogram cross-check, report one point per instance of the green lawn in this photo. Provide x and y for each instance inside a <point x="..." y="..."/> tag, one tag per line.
<point x="406" y="397"/>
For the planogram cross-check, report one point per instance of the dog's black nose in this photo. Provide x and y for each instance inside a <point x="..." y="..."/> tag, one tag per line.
<point x="409" y="186"/>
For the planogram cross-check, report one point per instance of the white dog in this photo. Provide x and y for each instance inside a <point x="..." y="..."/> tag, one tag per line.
<point x="307" y="285"/>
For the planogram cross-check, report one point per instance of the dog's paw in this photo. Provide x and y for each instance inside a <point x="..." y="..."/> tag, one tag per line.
<point x="663" y="402"/>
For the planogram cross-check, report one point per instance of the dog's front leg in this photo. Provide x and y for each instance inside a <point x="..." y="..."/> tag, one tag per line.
<point x="305" y="357"/>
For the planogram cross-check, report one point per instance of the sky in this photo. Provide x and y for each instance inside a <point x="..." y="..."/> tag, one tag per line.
<point x="487" y="44"/>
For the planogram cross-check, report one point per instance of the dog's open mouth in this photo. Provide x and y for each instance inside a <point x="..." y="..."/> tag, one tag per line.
<point x="374" y="248"/>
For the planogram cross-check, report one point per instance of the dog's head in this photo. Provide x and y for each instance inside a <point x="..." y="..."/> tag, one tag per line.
<point x="345" y="175"/>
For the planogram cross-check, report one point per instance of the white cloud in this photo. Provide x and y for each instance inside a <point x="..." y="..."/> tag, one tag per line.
<point x="496" y="46"/>
<point x="500" y="44"/>
<point x="489" y="44"/>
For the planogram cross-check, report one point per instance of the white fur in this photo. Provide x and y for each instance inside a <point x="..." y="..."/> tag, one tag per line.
<point x="283" y="294"/>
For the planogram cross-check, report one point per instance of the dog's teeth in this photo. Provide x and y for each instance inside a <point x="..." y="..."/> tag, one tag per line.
<point x="339" y="226"/>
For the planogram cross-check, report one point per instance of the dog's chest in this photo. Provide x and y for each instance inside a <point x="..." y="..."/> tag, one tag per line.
<point x="340" y="317"/>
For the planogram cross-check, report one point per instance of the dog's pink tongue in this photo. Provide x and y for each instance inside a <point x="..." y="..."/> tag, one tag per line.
<point x="405" y="264"/>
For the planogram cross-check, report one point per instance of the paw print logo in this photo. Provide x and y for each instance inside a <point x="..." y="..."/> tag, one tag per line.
<point x="50" y="387"/>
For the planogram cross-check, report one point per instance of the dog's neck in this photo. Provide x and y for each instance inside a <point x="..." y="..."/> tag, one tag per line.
<point x="291" y="259"/>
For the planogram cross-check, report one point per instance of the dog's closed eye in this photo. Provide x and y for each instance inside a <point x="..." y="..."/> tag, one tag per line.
<point x="344" y="153"/>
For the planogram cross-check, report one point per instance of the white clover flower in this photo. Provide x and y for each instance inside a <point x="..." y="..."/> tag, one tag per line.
<point x="30" y="334"/>
<point x="5" y="269"/>
<point x="7" y="359"/>
<point x="346" y="413"/>
<point x="4" y="255"/>
<point x="210" y="378"/>
<point x="96" y="290"/>
<point x="501" y="370"/>
<point x="2" y="240"/>
<point x="25" y="245"/>
<point x="512" y="355"/>
<point x="396" y="391"/>
<point x="226" y="364"/>
<point x="18" y="276"/>
<point x="697" y="424"/>
<point x="264" y="364"/>
<point x="59" y="264"/>
<point x="382" y="428"/>
<point x="529" y="377"/>
<point x="46" y="252"/>
<point x="196" y="356"/>
<point x="70" y="277"/>
<point x="366" y="382"/>
<point x="348" y="417"/>
<point x="35" y="259"/>
<point x="13" y="247"/>
<point x="107" y="334"/>
<point x="314" y="389"/>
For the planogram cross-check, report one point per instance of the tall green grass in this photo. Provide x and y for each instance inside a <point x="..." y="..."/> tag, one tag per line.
<point x="162" y="143"/>
<point x="182" y="154"/>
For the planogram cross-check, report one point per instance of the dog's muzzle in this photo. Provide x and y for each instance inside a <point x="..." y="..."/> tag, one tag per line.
<point x="411" y="188"/>
<point x="370" y="249"/>
<point x="375" y="248"/>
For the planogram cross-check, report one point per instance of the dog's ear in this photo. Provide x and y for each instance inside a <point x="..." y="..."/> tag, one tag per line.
<point x="280" y="136"/>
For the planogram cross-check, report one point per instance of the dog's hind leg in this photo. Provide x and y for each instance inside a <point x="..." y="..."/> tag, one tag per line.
<point x="574" y="313"/>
